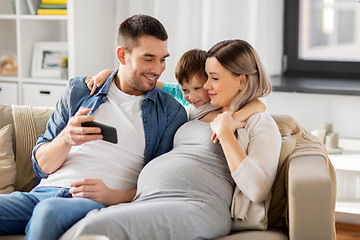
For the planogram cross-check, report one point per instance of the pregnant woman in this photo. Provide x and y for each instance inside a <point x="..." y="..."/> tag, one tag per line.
<point x="187" y="192"/>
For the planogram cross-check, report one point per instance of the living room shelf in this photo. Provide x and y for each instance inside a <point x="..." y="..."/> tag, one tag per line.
<point x="347" y="167"/>
<point x="9" y="78"/>
<point x="8" y="16"/>
<point x="43" y="17"/>
<point x="89" y="44"/>
<point x="44" y="81"/>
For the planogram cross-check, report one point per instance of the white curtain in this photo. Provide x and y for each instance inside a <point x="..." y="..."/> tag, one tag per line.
<point x="202" y="23"/>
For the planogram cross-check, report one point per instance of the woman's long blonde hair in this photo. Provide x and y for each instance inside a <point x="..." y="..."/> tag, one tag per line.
<point x="239" y="57"/>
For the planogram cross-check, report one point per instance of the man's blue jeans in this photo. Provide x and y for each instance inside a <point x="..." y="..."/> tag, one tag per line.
<point x="43" y="213"/>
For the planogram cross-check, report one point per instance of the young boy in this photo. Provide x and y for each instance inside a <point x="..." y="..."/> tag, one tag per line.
<point x="191" y="76"/>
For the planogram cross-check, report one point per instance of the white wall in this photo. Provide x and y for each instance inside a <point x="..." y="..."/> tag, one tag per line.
<point x="202" y="23"/>
<point x="310" y="110"/>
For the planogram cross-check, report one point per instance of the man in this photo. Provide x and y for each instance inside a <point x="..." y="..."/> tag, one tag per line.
<point x="80" y="174"/>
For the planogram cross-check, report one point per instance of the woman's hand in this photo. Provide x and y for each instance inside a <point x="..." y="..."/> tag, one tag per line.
<point x="98" y="80"/>
<point x="223" y="123"/>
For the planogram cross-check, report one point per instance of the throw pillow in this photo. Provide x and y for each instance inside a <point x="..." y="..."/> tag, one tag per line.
<point x="7" y="163"/>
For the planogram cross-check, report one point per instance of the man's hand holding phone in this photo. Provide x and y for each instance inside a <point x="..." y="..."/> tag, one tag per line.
<point x="75" y="134"/>
<point x="108" y="132"/>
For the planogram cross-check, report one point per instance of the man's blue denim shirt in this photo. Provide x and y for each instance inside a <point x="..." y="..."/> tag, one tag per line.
<point x="162" y="116"/>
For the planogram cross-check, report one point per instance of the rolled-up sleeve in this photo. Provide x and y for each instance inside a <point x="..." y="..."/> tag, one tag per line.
<point x="54" y="126"/>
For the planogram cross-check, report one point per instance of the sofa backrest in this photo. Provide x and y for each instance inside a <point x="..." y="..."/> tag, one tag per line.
<point x="6" y="118"/>
<point x="23" y="119"/>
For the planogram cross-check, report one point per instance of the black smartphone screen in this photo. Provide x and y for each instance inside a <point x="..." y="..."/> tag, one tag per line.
<point x="107" y="131"/>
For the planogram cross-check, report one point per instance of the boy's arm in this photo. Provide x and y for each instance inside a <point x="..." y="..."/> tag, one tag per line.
<point x="160" y="84"/>
<point x="175" y="91"/>
<point x="249" y="109"/>
<point x="98" y="80"/>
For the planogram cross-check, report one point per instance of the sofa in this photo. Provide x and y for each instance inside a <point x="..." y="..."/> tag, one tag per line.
<point x="303" y="203"/>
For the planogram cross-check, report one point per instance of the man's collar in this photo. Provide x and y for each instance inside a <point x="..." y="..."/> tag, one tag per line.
<point x="152" y="95"/>
<point x="105" y="88"/>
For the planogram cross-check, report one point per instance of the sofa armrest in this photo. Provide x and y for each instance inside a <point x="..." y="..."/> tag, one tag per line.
<point x="310" y="199"/>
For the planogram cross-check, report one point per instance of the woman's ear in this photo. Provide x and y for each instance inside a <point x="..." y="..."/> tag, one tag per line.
<point x="120" y="53"/>
<point x="243" y="81"/>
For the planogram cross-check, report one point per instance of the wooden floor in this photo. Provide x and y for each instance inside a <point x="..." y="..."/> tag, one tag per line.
<point x="345" y="231"/>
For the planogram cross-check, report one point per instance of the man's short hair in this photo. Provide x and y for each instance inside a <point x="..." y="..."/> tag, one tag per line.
<point x="137" y="26"/>
<point x="191" y="63"/>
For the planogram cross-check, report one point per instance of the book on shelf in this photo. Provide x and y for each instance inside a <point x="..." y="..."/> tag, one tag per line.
<point x="54" y="1"/>
<point x="13" y="6"/>
<point x="52" y="11"/>
<point x="33" y="6"/>
<point x="52" y="6"/>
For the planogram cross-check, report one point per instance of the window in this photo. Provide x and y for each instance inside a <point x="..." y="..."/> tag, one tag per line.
<point x="322" y="38"/>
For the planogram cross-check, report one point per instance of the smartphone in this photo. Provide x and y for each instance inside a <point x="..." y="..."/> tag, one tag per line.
<point x="107" y="131"/>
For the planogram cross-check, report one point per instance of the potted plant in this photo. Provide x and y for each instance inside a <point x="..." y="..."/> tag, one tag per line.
<point x="64" y="68"/>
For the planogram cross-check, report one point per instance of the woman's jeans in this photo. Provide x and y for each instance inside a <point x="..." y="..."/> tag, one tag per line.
<point x="43" y="213"/>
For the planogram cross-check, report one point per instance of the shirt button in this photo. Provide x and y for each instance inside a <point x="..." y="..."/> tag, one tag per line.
<point x="104" y="98"/>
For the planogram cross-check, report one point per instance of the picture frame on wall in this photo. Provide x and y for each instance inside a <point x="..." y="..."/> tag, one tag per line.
<point x="48" y="59"/>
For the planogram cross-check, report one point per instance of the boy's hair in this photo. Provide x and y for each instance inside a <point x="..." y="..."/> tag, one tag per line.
<point x="191" y="63"/>
<point x="137" y="26"/>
